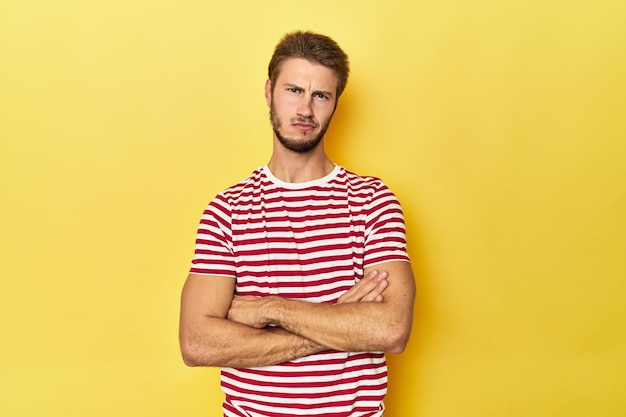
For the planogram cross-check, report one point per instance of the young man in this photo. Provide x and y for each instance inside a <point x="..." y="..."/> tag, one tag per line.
<point x="300" y="280"/>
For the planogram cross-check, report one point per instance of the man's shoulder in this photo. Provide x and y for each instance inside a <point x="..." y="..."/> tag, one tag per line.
<point x="246" y="185"/>
<point x="362" y="181"/>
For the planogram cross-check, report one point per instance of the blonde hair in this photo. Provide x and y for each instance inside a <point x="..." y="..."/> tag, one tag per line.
<point x="314" y="47"/>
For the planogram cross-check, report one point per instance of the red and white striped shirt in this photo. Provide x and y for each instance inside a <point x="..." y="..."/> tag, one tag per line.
<point x="307" y="241"/>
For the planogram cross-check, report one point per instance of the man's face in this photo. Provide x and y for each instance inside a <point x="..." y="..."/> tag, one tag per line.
<point x="302" y="103"/>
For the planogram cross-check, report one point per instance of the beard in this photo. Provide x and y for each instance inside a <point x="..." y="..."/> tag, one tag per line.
<point x="301" y="146"/>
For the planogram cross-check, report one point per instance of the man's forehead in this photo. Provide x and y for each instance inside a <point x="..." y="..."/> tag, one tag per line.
<point x="294" y="70"/>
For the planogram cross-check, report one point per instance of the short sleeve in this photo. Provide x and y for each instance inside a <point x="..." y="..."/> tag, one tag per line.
<point x="213" y="253"/>
<point x="385" y="232"/>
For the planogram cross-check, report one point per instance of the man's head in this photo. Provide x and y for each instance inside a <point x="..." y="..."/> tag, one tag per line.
<point x="307" y="73"/>
<point x="316" y="48"/>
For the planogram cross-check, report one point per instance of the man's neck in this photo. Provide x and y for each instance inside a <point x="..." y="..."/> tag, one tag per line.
<point x="289" y="166"/>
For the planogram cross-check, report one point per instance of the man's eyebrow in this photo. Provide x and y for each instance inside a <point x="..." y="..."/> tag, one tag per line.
<point x="292" y="85"/>
<point x="326" y="93"/>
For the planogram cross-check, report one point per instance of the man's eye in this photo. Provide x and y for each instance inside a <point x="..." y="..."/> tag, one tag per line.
<point x="294" y="90"/>
<point x="321" y="96"/>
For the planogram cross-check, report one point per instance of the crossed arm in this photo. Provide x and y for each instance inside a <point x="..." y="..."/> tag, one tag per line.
<point x="219" y="330"/>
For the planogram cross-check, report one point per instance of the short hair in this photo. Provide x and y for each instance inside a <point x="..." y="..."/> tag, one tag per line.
<point x="314" y="47"/>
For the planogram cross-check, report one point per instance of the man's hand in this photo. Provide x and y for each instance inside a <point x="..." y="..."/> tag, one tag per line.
<point x="370" y="288"/>
<point x="249" y="310"/>
<point x="252" y="311"/>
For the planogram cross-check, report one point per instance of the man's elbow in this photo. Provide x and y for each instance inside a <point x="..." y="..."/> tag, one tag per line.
<point x="194" y="354"/>
<point x="398" y="345"/>
<point x="397" y="340"/>
<point x="190" y="361"/>
<point x="397" y="348"/>
<point x="189" y="353"/>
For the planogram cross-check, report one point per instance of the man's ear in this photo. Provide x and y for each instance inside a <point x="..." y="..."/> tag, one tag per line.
<point x="268" y="92"/>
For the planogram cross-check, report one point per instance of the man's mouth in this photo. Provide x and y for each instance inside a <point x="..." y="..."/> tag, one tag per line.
<point x="302" y="124"/>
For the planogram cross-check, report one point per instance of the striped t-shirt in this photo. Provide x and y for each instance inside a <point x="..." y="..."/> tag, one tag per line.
<point x="307" y="241"/>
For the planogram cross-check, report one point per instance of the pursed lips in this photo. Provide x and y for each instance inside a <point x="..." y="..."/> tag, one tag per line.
<point x="303" y="124"/>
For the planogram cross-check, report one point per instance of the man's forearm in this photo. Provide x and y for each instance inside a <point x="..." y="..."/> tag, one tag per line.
<point x="230" y="344"/>
<point x="346" y="327"/>
<point x="211" y="339"/>
<point x="383" y="325"/>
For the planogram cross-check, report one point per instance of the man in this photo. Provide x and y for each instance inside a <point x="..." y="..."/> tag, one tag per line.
<point x="300" y="280"/>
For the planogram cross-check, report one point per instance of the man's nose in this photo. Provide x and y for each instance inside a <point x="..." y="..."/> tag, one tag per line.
<point x="305" y="108"/>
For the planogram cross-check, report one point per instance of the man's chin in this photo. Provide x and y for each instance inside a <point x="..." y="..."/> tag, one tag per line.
<point x="299" y="145"/>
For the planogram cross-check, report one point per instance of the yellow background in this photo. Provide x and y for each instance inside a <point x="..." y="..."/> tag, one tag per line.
<point x="500" y="126"/>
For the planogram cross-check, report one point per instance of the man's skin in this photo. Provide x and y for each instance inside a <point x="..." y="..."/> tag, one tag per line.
<point x="208" y="338"/>
<point x="375" y="315"/>
<point x="352" y="327"/>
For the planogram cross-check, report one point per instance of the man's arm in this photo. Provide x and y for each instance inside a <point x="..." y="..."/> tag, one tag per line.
<point x="383" y="326"/>
<point x="208" y="338"/>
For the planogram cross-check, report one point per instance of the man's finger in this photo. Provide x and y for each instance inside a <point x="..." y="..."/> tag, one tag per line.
<point x="370" y="288"/>
<point x="376" y="294"/>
